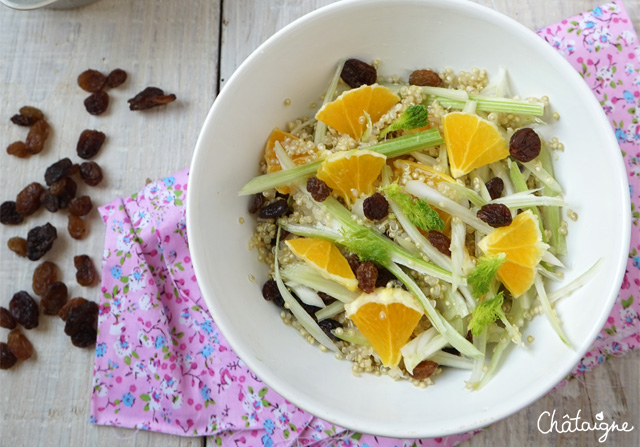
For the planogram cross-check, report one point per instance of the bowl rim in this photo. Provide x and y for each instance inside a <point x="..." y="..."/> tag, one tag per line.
<point x="556" y="59"/>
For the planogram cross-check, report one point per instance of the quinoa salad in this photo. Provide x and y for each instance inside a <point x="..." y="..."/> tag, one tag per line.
<point x="413" y="223"/>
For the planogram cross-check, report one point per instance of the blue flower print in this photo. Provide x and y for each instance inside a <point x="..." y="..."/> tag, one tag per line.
<point x="621" y="135"/>
<point x="206" y="326"/>
<point x="116" y="272"/>
<point x="169" y="181"/>
<point x="267" y="441"/>
<point x="160" y="341"/>
<point x="269" y="426"/>
<point x="128" y="399"/>
<point x="628" y="96"/>
<point x="205" y="392"/>
<point x="101" y="349"/>
<point x="597" y="12"/>
<point x="636" y="261"/>
<point x="206" y="351"/>
<point x="589" y="24"/>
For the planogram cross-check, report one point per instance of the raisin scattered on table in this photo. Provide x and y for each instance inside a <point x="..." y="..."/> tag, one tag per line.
<point x="90" y="143"/>
<point x="28" y="200"/>
<point x="37" y="136"/>
<point x="116" y="78"/>
<point x="425" y="78"/>
<point x="24" y="310"/>
<point x="40" y="240"/>
<point x="274" y="210"/>
<point x="20" y="345"/>
<point x="58" y="187"/>
<point x="9" y="214"/>
<point x="424" y="369"/>
<point x="54" y="298"/>
<point x="6" y="320"/>
<point x="7" y="359"/>
<point x="71" y="304"/>
<point x="495" y="214"/>
<point x="356" y="73"/>
<point x="319" y="190"/>
<point x="375" y="207"/>
<point x="495" y="186"/>
<point x="68" y="193"/>
<point x="59" y="169"/>
<point x="256" y="202"/>
<point x="524" y="144"/>
<point x="43" y="276"/>
<point x="86" y="273"/>
<point x="18" y="245"/>
<point x="150" y="97"/>
<point x="18" y="149"/>
<point x="329" y="325"/>
<point x="28" y="116"/>
<point x="50" y="202"/>
<point x="97" y="103"/>
<point x="440" y="241"/>
<point x="80" y="206"/>
<point x="91" y="81"/>
<point x="367" y="275"/>
<point x="91" y="173"/>
<point x="76" y="227"/>
<point x="81" y="324"/>
<point x="270" y="292"/>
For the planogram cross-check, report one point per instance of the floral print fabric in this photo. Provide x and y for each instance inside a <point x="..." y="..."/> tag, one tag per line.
<point x="161" y="363"/>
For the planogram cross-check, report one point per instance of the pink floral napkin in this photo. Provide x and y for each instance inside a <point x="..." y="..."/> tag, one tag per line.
<point x="162" y="364"/>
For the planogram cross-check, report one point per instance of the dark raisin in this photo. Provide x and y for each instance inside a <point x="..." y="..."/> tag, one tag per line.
<point x="354" y="262"/>
<point x="18" y="149"/>
<point x="384" y="276"/>
<point x="495" y="214"/>
<point x="150" y="97"/>
<point x="50" y="202"/>
<point x="89" y="143"/>
<point x="440" y="241"/>
<point x="7" y="359"/>
<point x="37" y="136"/>
<point x="24" y="310"/>
<point x="375" y="207"/>
<point x="22" y="120"/>
<point x="61" y="168"/>
<point x="319" y="190"/>
<point x="81" y="324"/>
<point x="40" y="240"/>
<point x="425" y="78"/>
<point x="86" y="273"/>
<point x="274" y="210"/>
<point x="28" y="200"/>
<point x="495" y="186"/>
<point x="97" y="103"/>
<point x="283" y="235"/>
<point x="91" y="173"/>
<point x="6" y="320"/>
<point x="116" y="78"/>
<point x="58" y="187"/>
<point x="54" y="298"/>
<point x="367" y="275"/>
<point x="20" y="345"/>
<point x="311" y="310"/>
<point x="326" y="299"/>
<point x="80" y="206"/>
<point x="256" y="203"/>
<point x="329" y="325"/>
<point x="68" y="193"/>
<point x="91" y="81"/>
<point x="356" y="73"/>
<point x="270" y="292"/>
<point x="76" y="227"/>
<point x="9" y="214"/>
<point x="28" y="116"/>
<point x="43" y="276"/>
<point x="524" y="144"/>
<point x="71" y="304"/>
<point x="424" y="369"/>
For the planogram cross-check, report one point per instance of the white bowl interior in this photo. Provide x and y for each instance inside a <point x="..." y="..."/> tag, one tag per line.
<point x="297" y="63"/>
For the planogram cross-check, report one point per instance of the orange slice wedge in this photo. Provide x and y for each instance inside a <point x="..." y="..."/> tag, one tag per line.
<point x="273" y="164"/>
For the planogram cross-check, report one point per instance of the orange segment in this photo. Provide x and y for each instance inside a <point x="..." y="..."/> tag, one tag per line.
<point x="325" y="257"/>
<point x="471" y="142"/>
<point x="273" y="165"/>
<point x="522" y="244"/>
<point x="387" y="318"/>
<point x="345" y="112"/>
<point x="351" y="173"/>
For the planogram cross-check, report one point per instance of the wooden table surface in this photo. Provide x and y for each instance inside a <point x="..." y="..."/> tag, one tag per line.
<point x="189" y="48"/>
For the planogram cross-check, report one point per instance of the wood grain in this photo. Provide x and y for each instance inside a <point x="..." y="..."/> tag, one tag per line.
<point x="176" y="46"/>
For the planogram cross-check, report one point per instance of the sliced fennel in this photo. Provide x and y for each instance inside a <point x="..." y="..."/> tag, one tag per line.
<point x="527" y="199"/>
<point x="549" y="311"/>
<point x="577" y="283"/>
<point x="321" y="128"/>
<point x="352" y="336"/>
<point x="331" y="310"/>
<point x="306" y="275"/>
<point x="422" y="347"/>
<point x="444" y="358"/>
<point x="307" y="295"/>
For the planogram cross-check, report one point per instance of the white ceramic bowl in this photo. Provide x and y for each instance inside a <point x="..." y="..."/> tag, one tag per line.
<point x="297" y="63"/>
